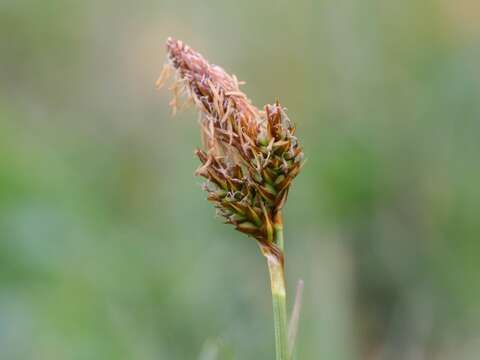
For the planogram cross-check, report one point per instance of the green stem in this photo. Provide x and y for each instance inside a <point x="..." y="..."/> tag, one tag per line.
<point x="277" y="280"/>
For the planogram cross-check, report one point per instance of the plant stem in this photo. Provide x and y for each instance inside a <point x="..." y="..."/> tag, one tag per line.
<point x="294" y="318"/>
<point x="277" y="280"/>
<point x="279" y="307"/>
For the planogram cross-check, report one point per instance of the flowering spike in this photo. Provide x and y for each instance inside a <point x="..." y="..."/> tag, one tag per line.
<point x="250" y="157"/>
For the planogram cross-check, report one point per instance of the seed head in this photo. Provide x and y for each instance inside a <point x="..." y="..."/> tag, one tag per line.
<point x="249" y="157"/>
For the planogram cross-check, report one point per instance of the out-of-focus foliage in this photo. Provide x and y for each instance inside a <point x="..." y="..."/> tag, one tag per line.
<point x="108" y="249"/>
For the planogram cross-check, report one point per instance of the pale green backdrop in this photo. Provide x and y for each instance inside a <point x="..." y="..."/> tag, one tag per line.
<point x="108" y="249"/>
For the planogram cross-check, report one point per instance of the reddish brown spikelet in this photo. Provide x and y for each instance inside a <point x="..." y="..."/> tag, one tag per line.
<point x="250" y="157"/>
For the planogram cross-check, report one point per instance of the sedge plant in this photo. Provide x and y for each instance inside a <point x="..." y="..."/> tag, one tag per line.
<point x="249" y="159"/>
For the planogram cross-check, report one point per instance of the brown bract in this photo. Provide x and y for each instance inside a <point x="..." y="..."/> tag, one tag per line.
<point x="249" y="157"/>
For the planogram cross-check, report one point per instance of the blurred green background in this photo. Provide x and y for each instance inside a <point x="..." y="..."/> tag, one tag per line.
<point x="108" y="249"/>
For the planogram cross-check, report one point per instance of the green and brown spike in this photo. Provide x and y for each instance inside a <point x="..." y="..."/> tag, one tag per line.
<point x="249" y="157"/>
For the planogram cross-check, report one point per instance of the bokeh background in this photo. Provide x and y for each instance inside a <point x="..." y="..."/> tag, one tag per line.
<point x="108" y="249"/>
